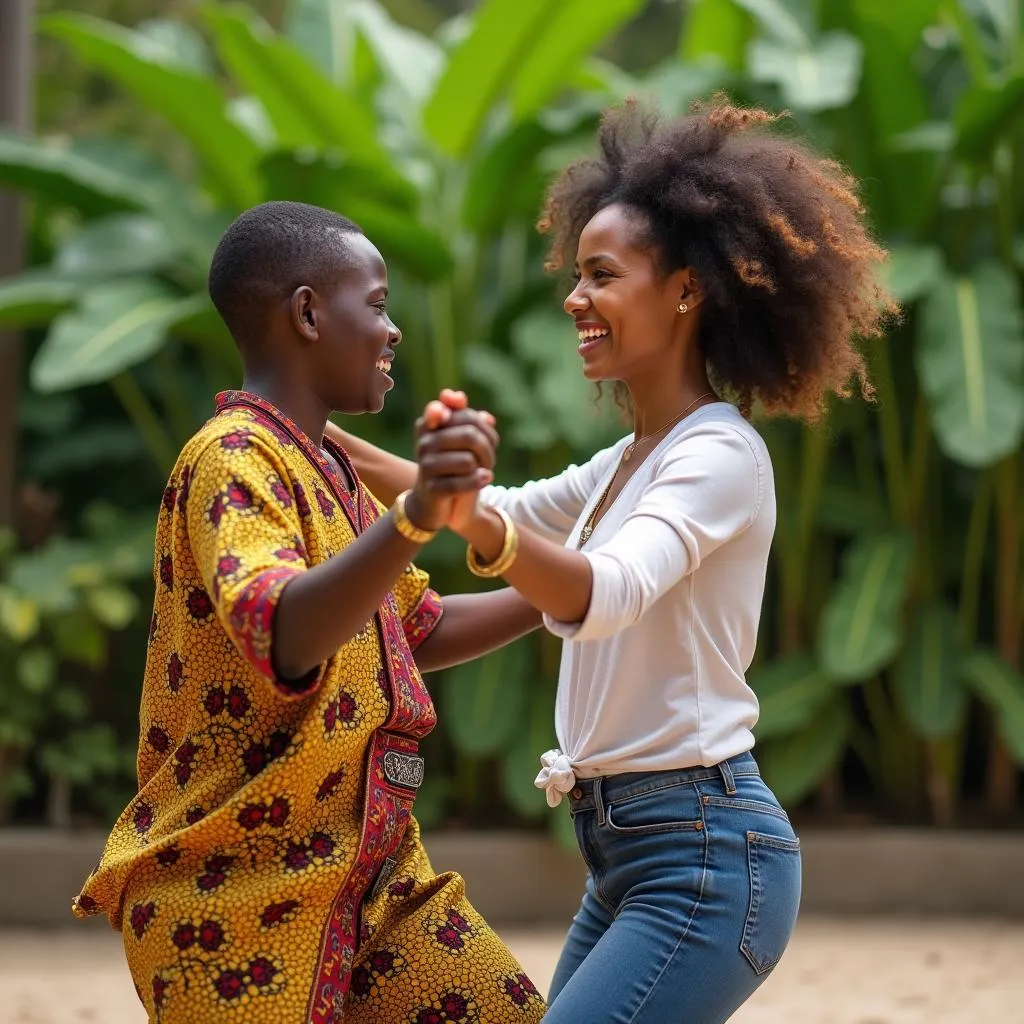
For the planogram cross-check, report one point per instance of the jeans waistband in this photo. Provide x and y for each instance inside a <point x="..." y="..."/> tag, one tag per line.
<point x="589" y="794"/>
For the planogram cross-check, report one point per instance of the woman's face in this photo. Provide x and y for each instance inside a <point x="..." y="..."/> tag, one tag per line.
<point x="626" y="312"/>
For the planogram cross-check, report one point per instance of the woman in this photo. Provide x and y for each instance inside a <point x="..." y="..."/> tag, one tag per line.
<point x="713" y="258"/>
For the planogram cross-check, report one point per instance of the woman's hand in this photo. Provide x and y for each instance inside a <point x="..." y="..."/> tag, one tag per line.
<point x="452" y="406"/>
<point x="455" y="454"/>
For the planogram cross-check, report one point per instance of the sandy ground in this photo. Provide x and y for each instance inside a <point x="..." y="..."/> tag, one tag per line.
<point x="835" y="972"/>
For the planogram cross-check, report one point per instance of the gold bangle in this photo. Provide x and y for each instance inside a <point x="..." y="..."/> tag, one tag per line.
<point x="509" y="550"/>
<point x="405" y="526"/>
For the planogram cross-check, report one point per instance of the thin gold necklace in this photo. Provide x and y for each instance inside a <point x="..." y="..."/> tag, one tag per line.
<point x="631" y="447"/>
<point x="588" y="527"/>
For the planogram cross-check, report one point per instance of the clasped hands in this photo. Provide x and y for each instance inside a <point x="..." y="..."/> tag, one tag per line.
<point x="455" y="454"/>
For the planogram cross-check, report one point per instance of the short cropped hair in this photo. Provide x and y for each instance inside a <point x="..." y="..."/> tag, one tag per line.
<point x="268" y="252"/>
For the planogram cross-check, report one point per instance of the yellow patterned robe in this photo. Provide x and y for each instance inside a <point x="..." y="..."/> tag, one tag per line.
<point x="269" y="870"/>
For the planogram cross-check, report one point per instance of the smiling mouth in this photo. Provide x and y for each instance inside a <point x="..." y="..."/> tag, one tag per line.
<point x="384" y="365"/>
<point x="591" y="334"/>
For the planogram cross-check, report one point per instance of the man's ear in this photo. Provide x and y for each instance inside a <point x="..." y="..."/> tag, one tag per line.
<point x="303" y="312"/>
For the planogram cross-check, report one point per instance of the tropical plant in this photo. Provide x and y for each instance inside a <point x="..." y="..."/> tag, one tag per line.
<point x="60" y="605"/>
<point x="897" y="593"/>
<point x="892" y="638"/>
<point x="417" y="139"/>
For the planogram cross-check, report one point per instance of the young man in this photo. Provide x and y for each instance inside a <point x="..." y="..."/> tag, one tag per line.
<point x="269" y="871"/>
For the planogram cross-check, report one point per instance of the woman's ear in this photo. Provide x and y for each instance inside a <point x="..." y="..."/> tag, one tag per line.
<point x="690" y="293"/>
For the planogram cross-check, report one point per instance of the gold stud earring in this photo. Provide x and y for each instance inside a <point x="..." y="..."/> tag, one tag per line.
<point x="682" y="307"/>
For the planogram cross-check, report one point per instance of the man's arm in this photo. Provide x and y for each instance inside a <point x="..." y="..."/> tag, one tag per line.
<point x="476" y="624"/>
<point x="288" y="617"/>
<point x="321" y="608"/>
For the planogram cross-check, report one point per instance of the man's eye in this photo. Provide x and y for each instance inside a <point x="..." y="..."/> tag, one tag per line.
<point x="382" y="308"/>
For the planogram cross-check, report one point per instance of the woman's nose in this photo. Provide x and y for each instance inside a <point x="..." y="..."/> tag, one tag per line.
<point x="576" y="301"/>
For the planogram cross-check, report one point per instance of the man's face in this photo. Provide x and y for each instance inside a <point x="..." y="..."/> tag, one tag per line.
<point x="351" y="358"/>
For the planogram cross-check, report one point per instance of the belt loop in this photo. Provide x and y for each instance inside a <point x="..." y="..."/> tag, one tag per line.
<point x="727" y="777"/>
<point x="598" y="800"/>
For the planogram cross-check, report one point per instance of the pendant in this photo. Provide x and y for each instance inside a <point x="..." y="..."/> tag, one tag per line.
<point x="585" y="534"/>
<point x="627" y="454"/>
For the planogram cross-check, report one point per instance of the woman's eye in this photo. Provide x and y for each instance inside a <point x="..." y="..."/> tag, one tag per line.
<point x="382" y="309"/>
<point x="599" y="274"/>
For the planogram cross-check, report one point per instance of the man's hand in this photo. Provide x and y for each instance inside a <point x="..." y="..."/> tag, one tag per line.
<point x="453" y="407"/>
<point x="455" y="453"/>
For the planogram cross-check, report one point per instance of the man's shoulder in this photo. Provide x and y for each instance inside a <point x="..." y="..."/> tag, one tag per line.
<point x="232" y="434"/>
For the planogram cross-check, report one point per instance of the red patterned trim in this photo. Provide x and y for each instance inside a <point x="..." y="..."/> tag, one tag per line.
<point x="252" y="622"/>
<point x="423" y="619"/>
<point x="387" y="808"/>
<point x="412" y="710"/>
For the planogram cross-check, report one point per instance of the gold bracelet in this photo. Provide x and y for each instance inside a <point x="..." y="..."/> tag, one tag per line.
<point x="509" y="550"/>
<point x="405" y="526"/>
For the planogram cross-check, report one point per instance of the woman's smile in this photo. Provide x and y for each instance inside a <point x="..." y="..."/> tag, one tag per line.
<point x="592" y="335"/>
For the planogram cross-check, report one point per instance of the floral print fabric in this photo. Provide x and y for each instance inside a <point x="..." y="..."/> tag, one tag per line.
<point x="269" y="868"/>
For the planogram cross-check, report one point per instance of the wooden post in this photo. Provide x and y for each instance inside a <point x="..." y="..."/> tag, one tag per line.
<point x="16" y="85"/>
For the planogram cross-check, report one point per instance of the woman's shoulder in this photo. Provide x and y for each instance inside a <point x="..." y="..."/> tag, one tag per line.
<point x="718" y="428"/>
<point x="719" y="446"/>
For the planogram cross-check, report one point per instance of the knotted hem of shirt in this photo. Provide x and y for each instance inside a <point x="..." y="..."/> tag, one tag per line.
<point x="555" y="777"/>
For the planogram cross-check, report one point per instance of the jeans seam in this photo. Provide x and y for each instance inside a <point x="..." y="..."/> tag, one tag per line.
<point x="641" y="790"/>
<point x="754" y="840"/>
<point x="776" y="842"/>
<point x="740" y="804"/>
<point x="689" y="921"/>
<point x="754" y="872"/>
<point x="660" y="828"/>
<point x="591" y="852"/>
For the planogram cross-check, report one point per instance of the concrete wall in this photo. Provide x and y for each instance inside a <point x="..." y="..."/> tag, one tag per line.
<point x="516" y="878"/>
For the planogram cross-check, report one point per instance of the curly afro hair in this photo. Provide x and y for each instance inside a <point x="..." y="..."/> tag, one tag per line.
<point x="775" y="234"/>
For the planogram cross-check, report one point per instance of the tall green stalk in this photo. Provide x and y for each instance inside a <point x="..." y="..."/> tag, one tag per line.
<point x="891" y="433"/>
<point x="1002" y="783"/>
<point x="142" y="414"/>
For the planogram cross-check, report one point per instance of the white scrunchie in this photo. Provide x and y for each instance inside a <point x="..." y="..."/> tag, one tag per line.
<point x="556" y="777"/>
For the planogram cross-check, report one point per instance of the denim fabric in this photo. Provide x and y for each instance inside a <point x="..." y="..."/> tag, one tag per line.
<point x="691" y="898"/>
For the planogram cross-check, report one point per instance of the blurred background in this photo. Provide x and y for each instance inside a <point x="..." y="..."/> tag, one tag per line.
<point x="890" y="661"/>
<point x="889" y="665"/>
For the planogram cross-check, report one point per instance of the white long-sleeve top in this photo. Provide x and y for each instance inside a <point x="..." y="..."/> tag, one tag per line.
<point x="654" y="677"/>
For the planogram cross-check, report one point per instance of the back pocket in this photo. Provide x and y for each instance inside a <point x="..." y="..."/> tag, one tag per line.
<point x="774" y="865"/>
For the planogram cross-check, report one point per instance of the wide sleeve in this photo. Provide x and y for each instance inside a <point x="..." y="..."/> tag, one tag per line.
<point x="706" y="490"/>
<point x="419" y="605"/>
<point x="246" y="539"/>
<point x="551" y="507"/>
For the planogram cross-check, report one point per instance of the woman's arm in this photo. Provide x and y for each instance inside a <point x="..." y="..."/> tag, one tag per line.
<point x="706" y="491"/>
<point x="473" y="625"/>
<point x="386" y="475"/>
<point x="549" y="507"/>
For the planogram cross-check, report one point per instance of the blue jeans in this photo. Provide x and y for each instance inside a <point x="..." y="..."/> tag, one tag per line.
<point x="692" y="895"/>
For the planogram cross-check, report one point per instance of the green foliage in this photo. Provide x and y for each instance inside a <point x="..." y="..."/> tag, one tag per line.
<point x="795" y="767"/>
<point x="860" y="627"/>
<point x="892" y="632"/>
<point x="929" y="676"/>
<point x="117" y="325"/>
<point x="484" y="701"/>
<point x="59" y="606"/>
<point x="970" y="360"/>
